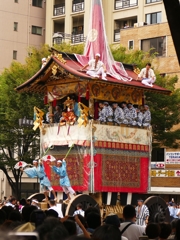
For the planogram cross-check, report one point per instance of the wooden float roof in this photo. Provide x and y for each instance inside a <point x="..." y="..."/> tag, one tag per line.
<point x="70" y="73"/>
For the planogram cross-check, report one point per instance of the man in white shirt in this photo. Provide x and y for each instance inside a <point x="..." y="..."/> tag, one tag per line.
<point x="79" y="210"/>
<point x="96" y="67"/>
<point x="128" y="228"/>
<point x="53" y="206"/>
<point x="147" y="76"/>
<point x="12" y="202"/>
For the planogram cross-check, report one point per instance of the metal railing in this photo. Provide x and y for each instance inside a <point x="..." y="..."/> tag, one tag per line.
<point x="59" y="9"/>
<point x="119" y="4"/>
<point x="77" y="7"/>
<point x="74" y="38"/>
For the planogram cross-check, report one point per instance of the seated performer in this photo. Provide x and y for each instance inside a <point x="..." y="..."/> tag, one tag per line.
<point x="96" y="67"/>
<point x="147" y="75"/>
<point x="118" y="114"/>
<point x="140" y="115"/>
<point x="105" y="112"/>
<point x="38" y="171"/>
<point x="146" y="117"/>
<point x="131" y="115"/>
<point x="60" y="169"/>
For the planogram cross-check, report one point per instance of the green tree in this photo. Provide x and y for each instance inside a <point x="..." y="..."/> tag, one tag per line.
<point x="18" y="143"/>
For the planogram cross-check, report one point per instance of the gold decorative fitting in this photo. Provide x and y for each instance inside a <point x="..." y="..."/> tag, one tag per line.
<point x="83" y="118"/>
<point x="54" y="70"/>
<point x="38" y="113"/>
<point x="137" y="70"/>
<point x="60" y="58"/>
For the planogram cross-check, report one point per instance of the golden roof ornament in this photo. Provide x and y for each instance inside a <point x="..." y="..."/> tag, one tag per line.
<point x="60" y="58"/>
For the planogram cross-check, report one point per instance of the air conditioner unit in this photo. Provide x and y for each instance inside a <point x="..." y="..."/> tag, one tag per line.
<point x="136" y="24"/>
<point x="141" y="24"/>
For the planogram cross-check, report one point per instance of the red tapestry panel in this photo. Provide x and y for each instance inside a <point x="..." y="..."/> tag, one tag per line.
<point x="118" y="173"/>
<point x="77" y="169"/>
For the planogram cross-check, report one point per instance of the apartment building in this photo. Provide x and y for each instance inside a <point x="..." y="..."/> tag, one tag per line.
<point x="135" y="24"/>
<point x="22" y="25"/>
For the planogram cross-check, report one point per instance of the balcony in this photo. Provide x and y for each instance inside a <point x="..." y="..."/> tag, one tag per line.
<point x="59" y="9"/>
<point x="59" y="37"/>
<point x="121" y="4"/>
<point x="78" y="6"/>
<point x="116" y="35"/>
<point x="77" y="38"/>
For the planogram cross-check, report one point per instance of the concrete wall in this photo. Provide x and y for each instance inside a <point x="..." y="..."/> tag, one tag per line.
<point x="25" y="15"/>
<point x="167" y="64"/>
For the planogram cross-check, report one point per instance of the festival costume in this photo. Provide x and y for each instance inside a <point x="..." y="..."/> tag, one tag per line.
<point x="64" y="180"/>
<point x="40" y="173"/>
<point x="140" y="117"/>
<point x="118" y="115"/>
<point x="141" y="214"/>
<point x="131" y="116"/>
<point x="106" y="114"/>
<point x="96" y="71"/>
<point x="147" y="118"/>
<point x="148" y="77"/>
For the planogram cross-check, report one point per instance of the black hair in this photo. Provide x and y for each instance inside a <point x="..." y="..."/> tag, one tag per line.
<point x="51" y="213"/>
<point x="23" y="201"/>
<point x="107" y="232"/>
<point x="152" y="230"/>
<point x="7" y="210"/>
<point x="79" y="205"/>
<point x="93" y="220"/>
<point x="26" y="212"/>
<point x="37" y="217"/>
<point x="165" y="230"/>
<point x="15" y="216"/>
<point x="148" y="64"/>
<point x="91" y="209"/>
<point x="70" y="227"/>
<point x="3" y="216"/>
<point x="129" y="212"/>
<point x="52" y="229"/>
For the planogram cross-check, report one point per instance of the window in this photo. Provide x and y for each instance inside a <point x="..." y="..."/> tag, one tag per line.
<point x="125" y="4"/>
<point x="157" y="155"/>
<point x="154" y="45"/>
<point x="78" y="5"/>
<point x="152" y="1"/>
<point x="36" y="30"/>
<point x="15" y="26"/>
<point x="15" y="55"/>
<point x="37" y="3"/>
<point x="131" y="44"/>
<point x="152" y="18"/>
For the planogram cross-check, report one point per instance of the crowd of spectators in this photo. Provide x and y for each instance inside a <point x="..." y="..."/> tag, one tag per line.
<point x="25" y="216"/>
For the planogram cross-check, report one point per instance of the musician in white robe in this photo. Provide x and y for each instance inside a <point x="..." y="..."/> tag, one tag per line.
<point x="147" y="76"/>
<point x="142" y="213"/>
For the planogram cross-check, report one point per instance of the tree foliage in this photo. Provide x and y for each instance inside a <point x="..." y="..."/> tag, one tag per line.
<point x="17" y="143"/>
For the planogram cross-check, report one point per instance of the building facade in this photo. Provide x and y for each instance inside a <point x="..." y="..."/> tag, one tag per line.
<point x="23" y="25"/>
<point x="70" y="18"/>
<point x="134" y="24"/>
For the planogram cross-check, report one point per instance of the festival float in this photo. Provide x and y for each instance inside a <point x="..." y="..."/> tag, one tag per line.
<point x="104" y="161"/>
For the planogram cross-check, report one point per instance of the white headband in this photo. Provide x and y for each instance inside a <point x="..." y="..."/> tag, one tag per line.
<point x="59" y="161"/>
